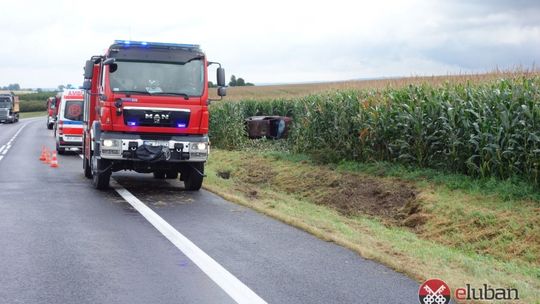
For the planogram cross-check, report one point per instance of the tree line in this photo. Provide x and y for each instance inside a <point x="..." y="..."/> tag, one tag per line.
<point x="11" y="87"/>
<point x="235" y="82"/>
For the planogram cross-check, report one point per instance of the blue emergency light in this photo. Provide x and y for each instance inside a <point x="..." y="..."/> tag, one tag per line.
<point x="128" y="43"/>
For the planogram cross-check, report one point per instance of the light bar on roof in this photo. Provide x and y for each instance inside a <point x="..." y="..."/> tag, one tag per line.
<point x="154" y="44"/>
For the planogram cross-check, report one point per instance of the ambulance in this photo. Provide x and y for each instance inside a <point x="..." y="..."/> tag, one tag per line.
<point x="69" y="125"/>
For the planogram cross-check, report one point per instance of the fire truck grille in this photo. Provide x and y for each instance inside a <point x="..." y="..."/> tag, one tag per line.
<point x="156" y="118"/>
<point x="3" y="114"/>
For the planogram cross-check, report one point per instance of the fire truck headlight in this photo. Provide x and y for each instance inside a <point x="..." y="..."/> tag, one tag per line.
<point x="198" y="151"/>
<point x="111" y="147"/>
<point x="111" y="143"/>
<point x="200" y="146"/>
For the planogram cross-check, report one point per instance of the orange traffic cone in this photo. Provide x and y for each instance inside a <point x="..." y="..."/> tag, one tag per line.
<point x="42" y="156"/>
<point x="54" y="160"/>
<point x="47" y="159"/>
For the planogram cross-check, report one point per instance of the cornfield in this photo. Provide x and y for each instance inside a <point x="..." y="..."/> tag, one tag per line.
<point x="480" y="129"/>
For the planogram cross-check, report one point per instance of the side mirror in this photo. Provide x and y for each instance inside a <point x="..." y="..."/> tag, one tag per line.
<point x="222" y="91"/>
<point x="88" y="69"/>
<point x="221" y="77"/>
<point x="87" y="84"/>
<point x="112" y="66"/>
<point x="109" y="61"/>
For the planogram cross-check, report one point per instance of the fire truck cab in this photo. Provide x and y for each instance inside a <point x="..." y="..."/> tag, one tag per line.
<point x="52" y="110"/>
<point x="146" y="110"/>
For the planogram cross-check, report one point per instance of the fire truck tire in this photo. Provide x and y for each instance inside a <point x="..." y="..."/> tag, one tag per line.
<point x="101" y="174"/>
<point x="159" y="174"/>
<point x="193" y="177"/>
<point x="171" y="174"/>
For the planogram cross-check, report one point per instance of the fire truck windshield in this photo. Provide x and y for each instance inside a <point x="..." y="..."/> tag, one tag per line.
<point x="153" y="77"/>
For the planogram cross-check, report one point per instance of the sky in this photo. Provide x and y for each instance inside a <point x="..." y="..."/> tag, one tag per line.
<point x="45" y="43"/>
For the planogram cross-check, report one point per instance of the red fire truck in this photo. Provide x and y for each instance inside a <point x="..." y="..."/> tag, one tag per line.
<point x="52" y="111"/>
<point x="146" y="109"/>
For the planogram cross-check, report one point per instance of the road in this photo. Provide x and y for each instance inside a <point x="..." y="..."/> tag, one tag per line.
<point x="64" y="242"/>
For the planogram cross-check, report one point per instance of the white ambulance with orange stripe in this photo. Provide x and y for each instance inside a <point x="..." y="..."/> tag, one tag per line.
<point x="69" y="125"/>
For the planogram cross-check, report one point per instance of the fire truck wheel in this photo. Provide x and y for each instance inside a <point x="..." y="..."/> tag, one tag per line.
<point x="171" y="174"/>
<point x="101" y="173"/>
<point x="159" y="174"/>
<point x="193" y="177"/>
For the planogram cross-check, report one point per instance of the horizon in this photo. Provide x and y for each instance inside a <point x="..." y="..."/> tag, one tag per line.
<point x="533" y="69"/>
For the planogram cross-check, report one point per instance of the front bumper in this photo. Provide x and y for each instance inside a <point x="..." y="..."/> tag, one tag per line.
<point x="122" y="146"/>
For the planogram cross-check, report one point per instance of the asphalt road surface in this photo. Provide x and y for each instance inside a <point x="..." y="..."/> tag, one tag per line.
<point x="148" y="241"/>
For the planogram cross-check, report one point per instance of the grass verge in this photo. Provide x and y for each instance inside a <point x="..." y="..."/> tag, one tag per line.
<point x="460" y="235"/>
<point x="32" y="114"/>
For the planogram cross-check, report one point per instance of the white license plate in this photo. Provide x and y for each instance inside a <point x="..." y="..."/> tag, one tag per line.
<point x="156" y="143"/>
<point x="73" y="138"/>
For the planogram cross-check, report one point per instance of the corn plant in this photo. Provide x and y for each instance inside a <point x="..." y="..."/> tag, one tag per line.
<point x="480" y="129"/>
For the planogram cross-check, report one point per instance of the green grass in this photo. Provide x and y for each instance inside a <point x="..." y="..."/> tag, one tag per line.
<point x="32" y="114"/>
<point x="508" y="190"/>
<point x="472" y="235"/>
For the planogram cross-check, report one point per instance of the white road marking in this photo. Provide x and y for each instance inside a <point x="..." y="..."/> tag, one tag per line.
<point x="223" y="278"/>
<point x="5" y="148"/>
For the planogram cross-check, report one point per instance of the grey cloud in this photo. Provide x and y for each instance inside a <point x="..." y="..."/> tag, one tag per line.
<point x="479" y="7"/>
<point x="44" y="49"/>
<point x="485" y="57"/>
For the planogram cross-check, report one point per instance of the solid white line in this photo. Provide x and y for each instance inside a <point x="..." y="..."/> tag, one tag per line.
<point x="224" y="279"/>
<point x="1" y="156"/>
<point x="6" y="150"/>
